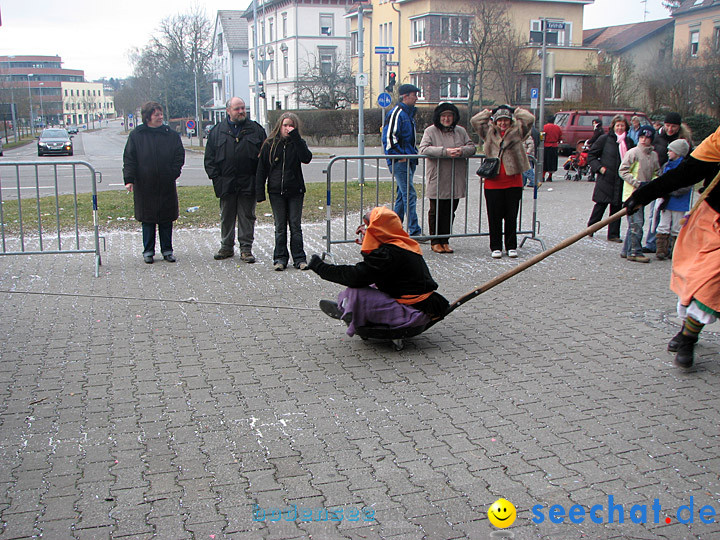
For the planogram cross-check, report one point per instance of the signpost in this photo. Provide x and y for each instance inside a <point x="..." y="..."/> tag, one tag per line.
<point x="384" y="50"/>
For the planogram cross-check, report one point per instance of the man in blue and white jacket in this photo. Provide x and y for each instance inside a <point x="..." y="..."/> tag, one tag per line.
<point x="398" y="137"/>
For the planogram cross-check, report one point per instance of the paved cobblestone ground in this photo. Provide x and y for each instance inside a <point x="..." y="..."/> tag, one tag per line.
<point x="126" y="418"/>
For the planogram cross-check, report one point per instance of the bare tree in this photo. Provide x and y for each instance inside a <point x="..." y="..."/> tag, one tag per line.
<point x="707" y="77"/>
<point x="673" y="85"/>
<point x="511" y="59"/>
<point x="459" y="51"/>
<point x="327" y="85"/>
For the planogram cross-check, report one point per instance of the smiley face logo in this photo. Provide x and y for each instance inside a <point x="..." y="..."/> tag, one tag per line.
<point x="502" y="513"/>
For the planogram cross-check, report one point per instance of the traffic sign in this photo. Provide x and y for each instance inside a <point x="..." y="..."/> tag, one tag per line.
<point x="361" y="79"/>
<point x="129" y="115"/>
<point x="384" y="99"/>
<point x="533" y="93"/>
<point x="392" y="63"/>
<point x="190" y="124"/>
<point x="554" y="25"/>
<point x="384" y="50"/>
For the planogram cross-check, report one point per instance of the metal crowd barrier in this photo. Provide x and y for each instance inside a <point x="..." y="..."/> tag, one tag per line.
<point x="36" y="242"/>
<point x="347" y="234"/>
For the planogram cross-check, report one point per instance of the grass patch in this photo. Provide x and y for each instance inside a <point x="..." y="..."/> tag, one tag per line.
<point x="115" y="208"/>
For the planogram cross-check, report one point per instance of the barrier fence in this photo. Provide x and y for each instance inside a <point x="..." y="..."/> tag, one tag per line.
<point x="368" y="188"/>
<point x="25" y="177"/>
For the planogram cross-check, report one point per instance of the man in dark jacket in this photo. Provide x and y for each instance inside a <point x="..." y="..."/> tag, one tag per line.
<point x="152" y="161"/>
<point x="398" y="137"/>
<point x="231" y="158"/>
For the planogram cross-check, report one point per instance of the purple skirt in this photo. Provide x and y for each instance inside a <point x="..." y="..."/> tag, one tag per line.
<point x="373" y="308"/>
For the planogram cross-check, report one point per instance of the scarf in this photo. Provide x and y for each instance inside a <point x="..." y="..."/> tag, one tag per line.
<point x="385" y="228"/>
<point x="621" y="144"/>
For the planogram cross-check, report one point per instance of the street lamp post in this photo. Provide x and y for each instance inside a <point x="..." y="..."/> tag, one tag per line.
<point x="32" y="126"/>
<point x="42" y="110"/>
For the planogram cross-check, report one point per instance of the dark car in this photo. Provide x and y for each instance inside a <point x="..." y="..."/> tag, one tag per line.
<point x="55" y="141"/>
<point x="577" y="125"/>
<point x="72" y="130"/>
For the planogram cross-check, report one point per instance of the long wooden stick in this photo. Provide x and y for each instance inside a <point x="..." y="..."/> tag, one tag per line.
<point x="536" y="259"/>
<point x="702" y="197"/>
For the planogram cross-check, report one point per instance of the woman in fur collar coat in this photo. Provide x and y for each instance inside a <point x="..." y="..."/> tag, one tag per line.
<point x="504" y="128"/>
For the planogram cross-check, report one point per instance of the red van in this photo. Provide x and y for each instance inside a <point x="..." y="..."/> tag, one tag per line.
<point x="577" y="125"/>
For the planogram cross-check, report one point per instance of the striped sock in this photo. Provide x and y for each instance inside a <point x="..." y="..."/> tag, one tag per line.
<point x="691" y="327"/>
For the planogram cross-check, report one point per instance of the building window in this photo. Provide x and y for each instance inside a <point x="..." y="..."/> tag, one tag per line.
<point x="326" y="57"/>
<point x="694" y="42"/>
<point x="455" y="29"/>
<point x="354" y="43"/>
<point x="416" y="80"/>
<point x="271" y="24"/>
<point x="72" y="92"/>
<point x="716" y="38"/>
<point x="552" y="37"/>
<point x="284" y="24"/>
<point x="220" y="44"/>
<point x="65" y="93"/>
<point x="417" y="31"/>
<point x="285" y="64"/>
<point x="326" y="24"/>
<point x="386" y="35"/>
<point x="453" y="86"/>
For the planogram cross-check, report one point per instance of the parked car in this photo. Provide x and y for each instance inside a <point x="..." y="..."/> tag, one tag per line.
<point x="72" y="130"/>
<point x="577" y="125"/>
<point x="55" y="141"/>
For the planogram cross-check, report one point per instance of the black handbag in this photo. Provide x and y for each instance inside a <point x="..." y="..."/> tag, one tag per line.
<point x="490" y="167"/>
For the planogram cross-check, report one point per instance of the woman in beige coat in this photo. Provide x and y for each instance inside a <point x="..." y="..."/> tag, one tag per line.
<point x="446" y="178"/>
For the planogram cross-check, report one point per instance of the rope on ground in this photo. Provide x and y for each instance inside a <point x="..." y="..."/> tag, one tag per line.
<point x="177" y="301"/>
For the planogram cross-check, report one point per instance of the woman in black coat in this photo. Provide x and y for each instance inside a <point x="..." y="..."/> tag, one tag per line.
<point x="281" y="158"/>
<point x="604" y="158"/>
<point x="152" y="161"/>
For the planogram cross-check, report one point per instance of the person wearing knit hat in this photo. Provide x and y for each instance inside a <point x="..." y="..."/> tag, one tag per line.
<point x="672" y="208"/>
<point x="696" y="257"/>
<point x="672" y="130"/>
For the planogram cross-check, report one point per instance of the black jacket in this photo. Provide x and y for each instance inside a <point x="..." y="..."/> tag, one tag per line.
<point x="152" y="161"/>
<point x="393" y="270"/>
<point x="605" y="153"/>
<point x="230" y="161"/>
<point x="282" y="169"/>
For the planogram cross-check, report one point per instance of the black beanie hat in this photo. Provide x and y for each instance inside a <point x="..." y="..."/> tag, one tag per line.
<point x="673" y="118"/>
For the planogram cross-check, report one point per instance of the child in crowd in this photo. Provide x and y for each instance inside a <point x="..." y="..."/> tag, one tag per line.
<point x="639" y="166"/>
<point x="675" y="206"/>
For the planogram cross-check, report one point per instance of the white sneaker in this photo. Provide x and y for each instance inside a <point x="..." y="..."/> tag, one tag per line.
<point x="512" y="253"/>
<point x="496" y="254"/>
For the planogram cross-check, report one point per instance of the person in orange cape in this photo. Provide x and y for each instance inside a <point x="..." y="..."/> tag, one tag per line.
<point x="696" y="258"/>
<point x="391" y="287"/>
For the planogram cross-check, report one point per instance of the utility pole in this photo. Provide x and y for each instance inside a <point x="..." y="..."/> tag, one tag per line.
<point x="361" y="98"/>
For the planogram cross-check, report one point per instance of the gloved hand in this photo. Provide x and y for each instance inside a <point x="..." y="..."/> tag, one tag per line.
<point x="632" y="205"/>
<point x="315" y="261"/>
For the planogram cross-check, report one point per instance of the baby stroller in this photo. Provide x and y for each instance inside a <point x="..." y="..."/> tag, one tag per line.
<point x="577" y="164"/>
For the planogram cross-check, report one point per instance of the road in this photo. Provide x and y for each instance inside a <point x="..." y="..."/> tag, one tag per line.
<point x="103" y="149"/>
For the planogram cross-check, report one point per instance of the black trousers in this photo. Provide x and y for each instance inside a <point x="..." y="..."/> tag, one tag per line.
<point x="441" y="211"/>
<point x="502" y="207"/>
<point x="597" y="214"/>
<point x="164" y="232"/>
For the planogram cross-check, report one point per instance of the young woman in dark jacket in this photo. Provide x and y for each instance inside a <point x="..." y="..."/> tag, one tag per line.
<point x="604" y="159"/>
<point x="281" y="157"/>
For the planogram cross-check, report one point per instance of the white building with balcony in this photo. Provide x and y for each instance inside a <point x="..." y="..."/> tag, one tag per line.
<point x="230" y="63"/>
<point x="294" y="37"/>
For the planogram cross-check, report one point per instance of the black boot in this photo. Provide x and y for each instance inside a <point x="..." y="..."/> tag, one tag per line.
<point x="331" y="309"/>
<point x="684" y="357"/>
<point x="680" y="339"/>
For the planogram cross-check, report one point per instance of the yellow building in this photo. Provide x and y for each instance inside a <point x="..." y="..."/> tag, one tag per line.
<point x="421" y="31"/>
<point x="86" y="103"/>
<point x="697" y="28"/>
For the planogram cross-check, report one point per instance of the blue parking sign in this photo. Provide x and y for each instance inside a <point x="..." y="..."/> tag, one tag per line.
<point x="533" y="93"/>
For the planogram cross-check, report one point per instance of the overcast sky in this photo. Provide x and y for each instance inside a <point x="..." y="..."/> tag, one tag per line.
<point x="96" y="36"/>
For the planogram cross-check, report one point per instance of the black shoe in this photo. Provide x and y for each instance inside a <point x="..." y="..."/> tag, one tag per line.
<point x="680" y="339"/>
<point x="148" y="259"/>
<point x="223" y="254"/>
<point x="684" y="357"/>
<point x="170" y="257"/>
<point x="331" y="309"/>
<point x="615" y="239"/>
<point x="646" y="249"/>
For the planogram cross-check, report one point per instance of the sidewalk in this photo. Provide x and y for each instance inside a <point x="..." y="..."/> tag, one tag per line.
<point x="130" y="411"/>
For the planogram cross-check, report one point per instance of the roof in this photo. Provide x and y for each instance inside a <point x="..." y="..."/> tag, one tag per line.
<point x="235" y="28"/>
<point x="695" y="5"/>
<point x="616" y="39"/>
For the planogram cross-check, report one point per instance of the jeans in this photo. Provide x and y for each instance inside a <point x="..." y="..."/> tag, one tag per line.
<point x="240" y="208"/>
<point x="503" y="206"/>
<point x="529" y="178"/>
<point x="633" y="238"/>
<point x="652" y="228"/>
<point x="406" y="196"/>
<point x="287" y="212"/>
<point x="164" y="232"/>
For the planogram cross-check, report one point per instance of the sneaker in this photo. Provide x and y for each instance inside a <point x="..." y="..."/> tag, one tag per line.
<point x="331" y="309"/>
<point x="247" y="257"/>
<point x="512" y="253"/>
<point x="302" y="266"/>
<point x="223" y="254"/>
<point x="685" y="357"/>
<point x="638" y="258"/>
<point x="678" y="340"/>
<point x="279" y="267"/>
<point x="497" y="254"/>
